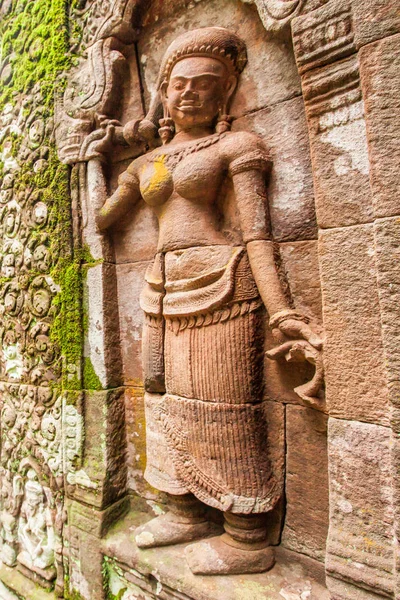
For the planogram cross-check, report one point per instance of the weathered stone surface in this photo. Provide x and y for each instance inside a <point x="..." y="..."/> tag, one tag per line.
<point x="98" y="244"/>
<point x="271" y="76"/>
<point x="130" y="279"/>
<point x="353" y="353"/>
<point x="12" y="581"/>
<point x="387" y="240"/>
<point x="376" y="20"/>
<point x="86" y="526"/>
<point x="135" y="238"/>
<point x="306" y="520"/>
<point x="286" y="581"/>
<point x="102" y="357"/>
<point x="324" y="35"/>
<point x="277" y="15"/>
<point x="102" y="477"/>
<point x="300" y="271"/>
<point x="290" y="191"/>
<point x="301" y="265"/>
<point x="343" y="590"/>
<point x="135" y="425"/>
<point x="360" y="542"/>
<point x="275" y="418"/>
<point x="380" y="78"/>
<point x="387" y="243"/>
<point x="338" y="141"/>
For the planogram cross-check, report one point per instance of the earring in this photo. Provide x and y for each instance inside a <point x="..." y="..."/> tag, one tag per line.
<point x="167" y="129"/>
<point x="224" y="122"/>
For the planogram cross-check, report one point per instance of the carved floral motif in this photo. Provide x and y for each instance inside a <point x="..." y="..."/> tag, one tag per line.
<point x="31" y="401"/>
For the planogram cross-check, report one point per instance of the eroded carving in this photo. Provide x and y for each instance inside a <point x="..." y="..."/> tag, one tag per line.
<point x="203" y="302"/>
<point x="31" y="404"/>
<point x="35" y="529"/>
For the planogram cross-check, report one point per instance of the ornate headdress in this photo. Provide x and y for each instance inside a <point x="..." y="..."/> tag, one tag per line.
<point x="215" y="42"/>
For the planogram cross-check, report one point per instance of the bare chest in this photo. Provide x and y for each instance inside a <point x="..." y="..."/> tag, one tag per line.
<point x="193" y="175"/>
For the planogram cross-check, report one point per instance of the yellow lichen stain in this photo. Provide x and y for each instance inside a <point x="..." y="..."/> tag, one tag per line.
<point x="159" y="174"/>
<point x="251" y="590"/>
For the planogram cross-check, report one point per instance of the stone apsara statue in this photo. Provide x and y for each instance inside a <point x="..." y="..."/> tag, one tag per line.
<point x="203" y="301"/>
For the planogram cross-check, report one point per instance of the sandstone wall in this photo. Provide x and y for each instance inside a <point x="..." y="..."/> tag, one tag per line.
<point x="321" y="88"/>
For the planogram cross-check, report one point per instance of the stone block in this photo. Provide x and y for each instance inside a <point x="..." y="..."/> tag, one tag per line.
<point x="356" y="385"/>
<point x="343" y="590"/>
<point x="162" y="573"/>
<point x="339" y="148"/>
<point x="135" y="424"/>
<point x="12" y="581"/>
<point x="102" y="477"/>
<point x="93" y="521"/>
<point x="85" y="566"/>
<point x="301" y="266"/>
<point x="387" y="243"/>
<point x="130" y="279"/>
<point x="360" y="542"/>
<point x="380" y="78"/>
<point x="291" y="197"/>
<point x="102" y="355"/>
<point x="375" y="20"/>
<point x="270" y="75"/>
<point x="136" y="437"/>
<point x="307" y="494"/>
<point x="324" y="35"/>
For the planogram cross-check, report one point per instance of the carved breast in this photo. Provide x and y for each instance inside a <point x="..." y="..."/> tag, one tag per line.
<point x="198" y="176"/>
<point x="156" y="183"/>
<point x="194" y="176"/>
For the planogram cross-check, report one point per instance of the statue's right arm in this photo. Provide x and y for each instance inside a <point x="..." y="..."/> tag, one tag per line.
<point x="117" y="205"/>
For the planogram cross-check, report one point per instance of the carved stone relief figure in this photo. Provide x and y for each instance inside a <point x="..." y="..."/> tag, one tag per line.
<point x="35" y="530"/>
<point x="204" y="302"/>
<point x="11" y="494"/>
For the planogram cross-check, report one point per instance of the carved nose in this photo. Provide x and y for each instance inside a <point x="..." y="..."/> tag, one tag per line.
<point x="189" y="92"/>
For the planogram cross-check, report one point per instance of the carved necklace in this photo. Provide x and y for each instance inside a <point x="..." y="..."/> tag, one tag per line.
<point x="173" y="157"/>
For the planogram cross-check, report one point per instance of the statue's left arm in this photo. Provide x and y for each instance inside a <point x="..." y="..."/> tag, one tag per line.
<point x="248" y="165"/>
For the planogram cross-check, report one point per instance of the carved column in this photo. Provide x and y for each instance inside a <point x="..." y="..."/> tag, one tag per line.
<point x="355" y="243"/>
<point x="97" y="491"/>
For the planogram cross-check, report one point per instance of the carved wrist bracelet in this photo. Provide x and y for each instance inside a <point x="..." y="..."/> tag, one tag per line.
<point x="283" y="315"/>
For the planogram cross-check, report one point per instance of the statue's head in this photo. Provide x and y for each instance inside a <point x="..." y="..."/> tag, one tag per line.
<point x="198" y="77"/>
<point x="34" y="495"/>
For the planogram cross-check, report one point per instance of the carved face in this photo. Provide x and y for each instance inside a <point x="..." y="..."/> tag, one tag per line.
<point x="199" y="87"/>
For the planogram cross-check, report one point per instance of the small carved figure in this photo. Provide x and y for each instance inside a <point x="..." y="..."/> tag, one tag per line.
<point x="11" y="492"/>
<point x="204" y="298"/>
<point x="36" y="530"/>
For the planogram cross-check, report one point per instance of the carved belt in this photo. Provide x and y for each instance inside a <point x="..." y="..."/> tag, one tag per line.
<point x="198" y="281"/>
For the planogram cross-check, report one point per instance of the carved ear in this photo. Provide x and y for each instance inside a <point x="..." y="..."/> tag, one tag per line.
<point x="230" y="87"/>
<point x="163" y="90"/>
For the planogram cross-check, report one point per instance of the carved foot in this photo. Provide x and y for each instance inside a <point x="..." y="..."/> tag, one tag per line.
<point x="169" y="529"/>
<point x="215" y="556"/>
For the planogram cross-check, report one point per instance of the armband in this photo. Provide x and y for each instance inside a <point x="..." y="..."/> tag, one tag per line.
<point x="255" y="160"/>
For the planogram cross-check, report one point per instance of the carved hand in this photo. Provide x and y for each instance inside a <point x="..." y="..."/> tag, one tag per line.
<point x="305" y="345"/>
<point x="99" y="142"/>
<point x="298" y="329"/>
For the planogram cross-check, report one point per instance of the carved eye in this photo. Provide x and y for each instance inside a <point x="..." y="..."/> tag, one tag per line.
<point x="204" y="85"/>
<point x="178" y="85"/>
